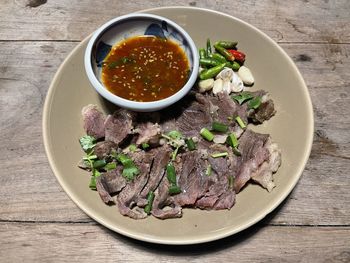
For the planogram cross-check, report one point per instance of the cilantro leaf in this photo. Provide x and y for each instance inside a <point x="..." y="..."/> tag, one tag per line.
<point x="87" y="143"/>
<point x="254" y="103"/>
<point x="130" y="170"/>
<point x="176" y="135"/>
<point x="242" y="97"/>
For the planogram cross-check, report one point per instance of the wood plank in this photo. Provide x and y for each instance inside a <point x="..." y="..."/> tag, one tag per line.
<point x="30" y="191"/>
<point x="284" y="21"/>
<point x="91" y="243"/>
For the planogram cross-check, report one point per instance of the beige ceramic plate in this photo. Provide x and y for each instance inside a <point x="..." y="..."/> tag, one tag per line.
<point x="291" y="128"/>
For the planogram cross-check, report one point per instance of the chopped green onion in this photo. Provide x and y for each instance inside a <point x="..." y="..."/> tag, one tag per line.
<point x="110" y="166"/>
<point x="132" y="147"/>
<point x="145" y="145"/>
<point x="171" y="174"/>
<point x="254" y="103"/>
<point x="217" y="155"/>
<point x="236" y="151"/>
<point x="206" y="134"/>
<point x="208" y="171"/>
<point x="92" y="184"/>
<point x="174" y="189"/>
<point x="150" y="198"/>
<point x="190" y="144"/>
<point x="174" y="153"/>
<point x="218" y="126"/>
<point x="90" y="157"/>
<point x="231" y="181"/>
<point x="232" y="140"/>
<point x="242" y="97"/>
<point x="240" y="122"/>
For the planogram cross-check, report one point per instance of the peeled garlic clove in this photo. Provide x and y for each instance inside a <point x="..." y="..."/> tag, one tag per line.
<point x="219" y="138"/>
<point x="246" y="75"/>
<point x="236" y="83"/>
<point x="226" y="87"/>
<point x="225" y="74"/>
<point x="205" y="85"/>
<point x="218" y="86"/>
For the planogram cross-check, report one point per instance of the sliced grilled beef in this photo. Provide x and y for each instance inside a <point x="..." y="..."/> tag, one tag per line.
<point x="193" y="118"/>
<point x="161" y="156"/>
<point x="104" y="148"/>
<point x="263" y="175"/>
<point x="164" y="206"/>
<point x="148" y="133"/>
<point x="189" y="179"/>
<point x="127" y="198"/>
<point x="254" y="153"/>
<point x="265" y="111"/>
<point x="93" y="121"/>
<point x="110" y="183"/>
<point x="118" y="126"/>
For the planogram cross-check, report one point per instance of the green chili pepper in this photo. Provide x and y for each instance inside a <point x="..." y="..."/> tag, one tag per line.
<point x="219" y="57"/>
<point x="209" y="62"/>
<point x="234" y="65"/>
<point x="208" y="47"/>
<point x="202" y="53"/>
<point x="226" y="44"/>
<point x="224" y="52"/>
<point x="212" y="72"/>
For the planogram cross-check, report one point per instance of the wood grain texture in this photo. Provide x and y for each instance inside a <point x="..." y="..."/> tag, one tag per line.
<point x="92" y="243"/>
<point x="284" y="21"/>
<point x="39" y="223"/>
<point x="23" y="86"/>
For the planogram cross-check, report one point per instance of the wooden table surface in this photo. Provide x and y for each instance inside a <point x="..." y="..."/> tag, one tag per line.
<point x="39" y="223"/>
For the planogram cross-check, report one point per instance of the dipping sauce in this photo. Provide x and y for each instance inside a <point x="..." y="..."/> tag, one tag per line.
<point x="145" y="68"/>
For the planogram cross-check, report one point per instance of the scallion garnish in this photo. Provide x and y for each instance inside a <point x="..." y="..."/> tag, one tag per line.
<point x="231" y="181"/>
<point x="240" y="122"/>
<point x="99" y="164"/>
<point x="150" y="198"/>
<point x="217" y="155"/>
<point x="170" y="172"/>
<point x="232" y="140"/>
<point x="218" y="126"/>
<point x="171" y="176"/>
<point x="174" y="189"/>
<point x="190" y="144"/>
<point x="208" y="170"/>
<point x="236" y="151"/>
<point x="206" y="134"/>
<point x="254" y="103"/>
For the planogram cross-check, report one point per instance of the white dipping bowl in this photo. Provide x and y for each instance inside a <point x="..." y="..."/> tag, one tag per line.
<point x="131" y="25"/>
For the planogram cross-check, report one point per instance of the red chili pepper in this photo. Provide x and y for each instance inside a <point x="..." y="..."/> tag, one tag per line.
<point x="239" y="56"/>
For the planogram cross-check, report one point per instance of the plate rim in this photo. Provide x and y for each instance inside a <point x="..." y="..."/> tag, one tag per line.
<point x="189" y="241"/>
